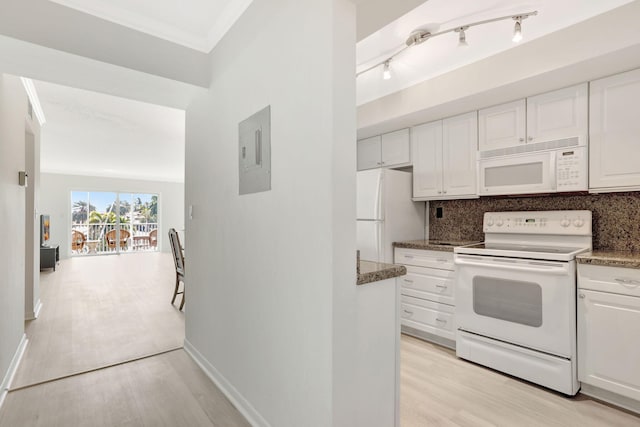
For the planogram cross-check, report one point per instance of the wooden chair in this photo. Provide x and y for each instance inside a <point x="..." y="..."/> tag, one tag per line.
<point x="78" y="240"/>
<point x="112" y="239"/>
<point x="153" y="238"/>
<point x="178" y="260"/>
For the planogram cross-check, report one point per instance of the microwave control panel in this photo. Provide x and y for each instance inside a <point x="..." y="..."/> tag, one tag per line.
<point x="571" y="169"/>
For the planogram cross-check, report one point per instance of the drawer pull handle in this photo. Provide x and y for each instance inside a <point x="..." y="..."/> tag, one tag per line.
<point x="408" y="280"/>
<point x="409" y="256"/>
<point x="410" y="313"/>
<point x="441" y="286"/>
<point x="627" y="281"/>
<point x="441" y="320"/>
<point x="442" y="260"/>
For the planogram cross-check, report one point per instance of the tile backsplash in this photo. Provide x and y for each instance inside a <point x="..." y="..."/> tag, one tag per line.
<point x="616" y="216"/>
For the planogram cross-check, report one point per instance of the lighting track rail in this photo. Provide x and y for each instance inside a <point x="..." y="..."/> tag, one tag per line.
<point x="420" y="36"/>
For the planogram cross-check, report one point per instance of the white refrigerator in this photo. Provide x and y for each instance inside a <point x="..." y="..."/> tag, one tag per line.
<point x="386" y="213"/>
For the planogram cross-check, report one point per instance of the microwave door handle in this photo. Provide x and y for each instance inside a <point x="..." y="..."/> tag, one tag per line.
<point x="553" y="171"/>
<point x="549" y="269"/>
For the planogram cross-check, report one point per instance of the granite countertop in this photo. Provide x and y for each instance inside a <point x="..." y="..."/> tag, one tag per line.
<point x="610" y="258"/>
<point x="432" y="245"/>
<point x="375" y="271"/>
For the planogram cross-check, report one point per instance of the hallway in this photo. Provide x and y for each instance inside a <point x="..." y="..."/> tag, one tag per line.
<point x="107" y="350"/>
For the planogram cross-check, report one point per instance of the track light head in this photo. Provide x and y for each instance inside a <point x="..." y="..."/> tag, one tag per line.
<point x="386" y="73"/>
<point x="517" y="29"/>
<point x="462" y="37"/>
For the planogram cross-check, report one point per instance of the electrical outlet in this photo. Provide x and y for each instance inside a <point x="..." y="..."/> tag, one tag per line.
<point x="439" y="212"/>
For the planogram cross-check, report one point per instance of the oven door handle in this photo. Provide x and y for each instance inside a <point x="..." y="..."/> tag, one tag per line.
<point x="539" y="267"/>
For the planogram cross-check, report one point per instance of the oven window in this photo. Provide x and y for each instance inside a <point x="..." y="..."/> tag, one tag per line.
<point x="510" y="300"/>
<point x="520" y="174"/>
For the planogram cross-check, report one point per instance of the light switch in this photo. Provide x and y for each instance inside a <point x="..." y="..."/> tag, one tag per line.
<point x="254" y="152"/>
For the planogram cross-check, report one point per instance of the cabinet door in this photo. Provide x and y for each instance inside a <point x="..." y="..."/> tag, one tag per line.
<point x="459" y="150"/>
<point x="614" y="133"/>
<point x="608" y="350"/>
<point x="396" y="148"/>
<point x="369" y="153"/>
<point x="502" y="126"/>
<point x="558" y="115"/>
<point x="426" y="143"/>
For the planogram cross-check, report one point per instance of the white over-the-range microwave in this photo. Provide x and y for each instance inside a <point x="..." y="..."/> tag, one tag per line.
<point x="545" y="167"/>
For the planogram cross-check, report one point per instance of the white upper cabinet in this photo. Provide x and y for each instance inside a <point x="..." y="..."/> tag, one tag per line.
<point x="615" y="133"/>
<point x="551" y="116"/>
<point x="444" y="158"/>
<point x="427" y="160"/>
<point x="502" y="126"/>
<point x="396" y="148"/>
<point x="459" y="149"/>
<point x="369" y="153"/>
<point x="389" y="150"/>
<point x="558" y="115"/>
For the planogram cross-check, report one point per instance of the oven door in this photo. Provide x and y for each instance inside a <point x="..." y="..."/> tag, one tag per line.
<point x="518" y="174"/>
<point x="529" y="303"/>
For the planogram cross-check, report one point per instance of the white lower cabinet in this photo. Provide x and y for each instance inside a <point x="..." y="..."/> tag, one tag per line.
<point x="609" y="329"/>
<point x="428" y="298"/>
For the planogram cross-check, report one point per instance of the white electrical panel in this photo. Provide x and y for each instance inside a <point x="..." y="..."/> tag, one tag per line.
<point x="254" y="152"/>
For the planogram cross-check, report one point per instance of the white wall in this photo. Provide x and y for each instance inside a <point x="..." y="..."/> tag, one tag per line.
<point x="13" y="112"/>
<point x="55" y="200"/>
<point x="271" y="276"/>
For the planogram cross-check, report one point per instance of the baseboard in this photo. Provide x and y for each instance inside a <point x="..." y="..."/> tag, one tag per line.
<point x="242" y="405"/>
<point x="13" y="367"/>
<point x="426" y="336"/>
<point x="33" y="315"/>
<point x="36" y="311"/>
<point x="611" y="398"/>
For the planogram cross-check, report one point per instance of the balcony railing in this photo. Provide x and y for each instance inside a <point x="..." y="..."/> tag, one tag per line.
<point x="140" y="238"/>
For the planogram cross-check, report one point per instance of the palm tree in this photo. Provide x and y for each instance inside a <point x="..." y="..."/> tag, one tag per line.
<point x="80" y="211"/>
<point x="153" y="207"/>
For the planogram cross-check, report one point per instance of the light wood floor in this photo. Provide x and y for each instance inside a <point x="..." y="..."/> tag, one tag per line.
<point x="438" y="389"/>
<point x="102" y="312"/>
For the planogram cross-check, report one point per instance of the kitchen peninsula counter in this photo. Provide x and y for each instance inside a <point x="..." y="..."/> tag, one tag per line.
<point x="610" y="258"/>
<point x="376" y="271"/>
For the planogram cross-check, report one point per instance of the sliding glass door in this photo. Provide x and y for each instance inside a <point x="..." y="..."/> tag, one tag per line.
<point x="105" y="222"/>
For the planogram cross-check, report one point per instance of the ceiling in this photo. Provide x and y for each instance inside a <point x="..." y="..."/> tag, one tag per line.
<point x="93" y="134"/>
<point x="197" y="24"/>
<point x="441" y="54"/>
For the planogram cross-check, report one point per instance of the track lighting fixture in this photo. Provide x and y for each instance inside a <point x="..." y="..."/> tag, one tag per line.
<point x="420" y="36"/>
<point x="386" y="74"/>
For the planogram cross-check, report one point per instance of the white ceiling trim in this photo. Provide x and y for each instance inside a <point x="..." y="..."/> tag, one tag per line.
<point x="200" y="42"/>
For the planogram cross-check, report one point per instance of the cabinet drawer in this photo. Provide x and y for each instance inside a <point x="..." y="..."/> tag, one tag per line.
<point x="617" y="280"/>
<point x="429" y="283"/>
<point x="428" y="316"/>
<point x="424" y="258"/>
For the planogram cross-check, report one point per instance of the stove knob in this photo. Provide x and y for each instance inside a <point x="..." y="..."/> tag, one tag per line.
<point x="565" y="222"/>
<point x="499" y="223"/>
<point x="578" y="222"/>
<point x="490" y="222"/>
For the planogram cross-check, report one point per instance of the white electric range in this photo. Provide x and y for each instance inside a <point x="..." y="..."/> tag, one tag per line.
<point x="516" y="295"/>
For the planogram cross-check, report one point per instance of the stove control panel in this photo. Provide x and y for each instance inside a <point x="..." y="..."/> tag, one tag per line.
<point x="575" y="223"/>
